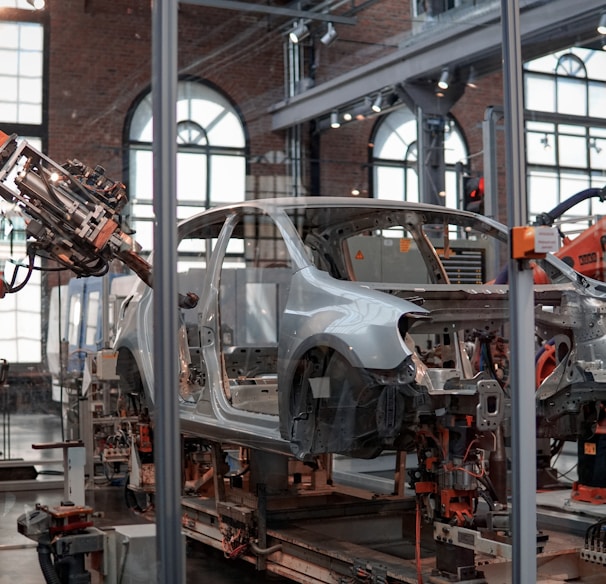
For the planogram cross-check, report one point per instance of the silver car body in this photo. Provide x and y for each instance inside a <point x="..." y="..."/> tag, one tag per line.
<point x="332" y="324"/>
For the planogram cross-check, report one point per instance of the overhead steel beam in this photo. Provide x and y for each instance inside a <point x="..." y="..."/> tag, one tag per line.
<point x="546" y="27"/>
<point x="275" y="10"/>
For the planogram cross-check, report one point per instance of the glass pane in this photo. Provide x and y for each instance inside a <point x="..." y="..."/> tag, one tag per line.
<point x="572" y="151"/>
<point x="545" y="64"/>
<point x="542" y="192"/>
<point x="21" y="68"/>
<point x="8" y="62"/>
<point x="597" y="100"/>
<point x="390" y="183"/>
<point x="29" y="114"/>
<point x="30" y="90"/>
<point x="75" y="305"/>
<point x="92" y="316"/>
<point x="144" y="233"/>
<point x="143" y="211"/>
<point x="540" y="148"/>
<point x="191" y="176"/>
<point x="570" y="129"/>
<point x="226" y="131"/>
<point x="534" y="126"/>
<point x="141" y="185"/>
<point x="10" y="91"/>
<point x="595" y="62"/>
<point x="30" y="63"/>
<point x="571" y="96"/>
<point x="9" y="36"/>
<point x="454" y="147"/>
<point x="21" y="330"/>
<point x="412" y="185"/>
<point x="597" y="153"/>
<point x="227" y="179"/>
<point x="450" y="180"/>
<point x="141" y="127"/>
<point x="8" y="112"/>
<point x="539" y="93"/>
<point x="31" y="38"/>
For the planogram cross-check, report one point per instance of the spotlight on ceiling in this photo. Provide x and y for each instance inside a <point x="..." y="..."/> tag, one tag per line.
<point x="334" y="120"/>
<point x="330" y="36"/>
<point x="37" y="4"/>
<point x="444" y="78"/>
<point x="376" y="104"/>
<point x="602" y="25"/>
<point x="472" y="78"/>
<point x="298" y="33"/>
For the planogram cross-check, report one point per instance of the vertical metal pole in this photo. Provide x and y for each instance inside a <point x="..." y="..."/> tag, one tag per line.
<point x="169" y="545"/>
<point x="105" y="289"/>
<point x="492" y="116"/>
<point x="521" y="306"/>
<point x="421" y="148"/>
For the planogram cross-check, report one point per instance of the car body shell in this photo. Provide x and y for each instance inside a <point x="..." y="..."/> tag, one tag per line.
<point x="336" y="335"/>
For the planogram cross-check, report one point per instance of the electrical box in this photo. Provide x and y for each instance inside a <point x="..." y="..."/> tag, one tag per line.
<point x="134" y="554"/>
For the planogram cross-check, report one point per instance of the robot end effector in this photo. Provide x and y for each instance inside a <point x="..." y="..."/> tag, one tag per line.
<point x="72" y="213"/>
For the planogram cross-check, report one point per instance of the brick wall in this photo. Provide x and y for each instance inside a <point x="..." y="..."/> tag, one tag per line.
<point x="100" y="61"/>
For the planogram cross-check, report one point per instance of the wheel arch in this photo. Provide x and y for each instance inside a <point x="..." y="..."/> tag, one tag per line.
<point x="286" y="375"/>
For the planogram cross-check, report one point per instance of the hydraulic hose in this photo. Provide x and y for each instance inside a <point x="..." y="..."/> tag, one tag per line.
<point x="559" y="210"/>
<point x="264" y="551"/>
<point x="46" y="564"/>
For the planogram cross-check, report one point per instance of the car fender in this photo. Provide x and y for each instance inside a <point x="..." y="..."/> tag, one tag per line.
<point x="345" y="314"/>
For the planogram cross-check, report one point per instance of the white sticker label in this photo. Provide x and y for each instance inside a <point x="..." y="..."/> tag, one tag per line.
<point x="546" y="239"/>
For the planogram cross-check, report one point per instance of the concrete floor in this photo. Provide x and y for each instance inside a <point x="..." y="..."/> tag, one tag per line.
<point x="18" y="554"/>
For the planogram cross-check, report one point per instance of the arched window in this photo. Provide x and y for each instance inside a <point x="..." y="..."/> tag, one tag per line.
<point x="211" y="155"/>
<point x="565" y="94"/>
<point x="395" y="157"/>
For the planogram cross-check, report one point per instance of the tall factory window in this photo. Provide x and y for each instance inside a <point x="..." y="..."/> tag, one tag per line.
<point x="211" y="155"/>
<point x="395" y="157"/>
<point x="565" y="93"/>
<point x="21" y="70"/>
<point x="21" y="111"/>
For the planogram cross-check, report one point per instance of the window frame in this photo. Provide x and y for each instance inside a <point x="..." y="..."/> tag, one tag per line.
<point x="212" y="154"/>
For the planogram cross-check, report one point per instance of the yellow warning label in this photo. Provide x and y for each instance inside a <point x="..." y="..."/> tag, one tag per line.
<point x="590" y="448"/>
<point x="359" y="255"/>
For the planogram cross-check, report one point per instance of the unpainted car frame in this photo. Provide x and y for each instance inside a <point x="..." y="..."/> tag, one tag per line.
<point x="342" y="325"/>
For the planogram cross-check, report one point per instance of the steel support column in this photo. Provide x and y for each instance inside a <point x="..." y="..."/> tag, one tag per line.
<point x="169" y="546"/>
<point x="521" y="307"/>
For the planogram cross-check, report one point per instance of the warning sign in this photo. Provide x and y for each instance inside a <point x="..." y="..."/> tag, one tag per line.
<point x="359" y="255"/>
<point x="404" y="244"/>
<point x="590" y="448"/>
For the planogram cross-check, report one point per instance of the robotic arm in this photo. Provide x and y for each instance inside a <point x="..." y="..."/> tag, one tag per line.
<point x="73" y="210"/>
<point x="72" y="214"/>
